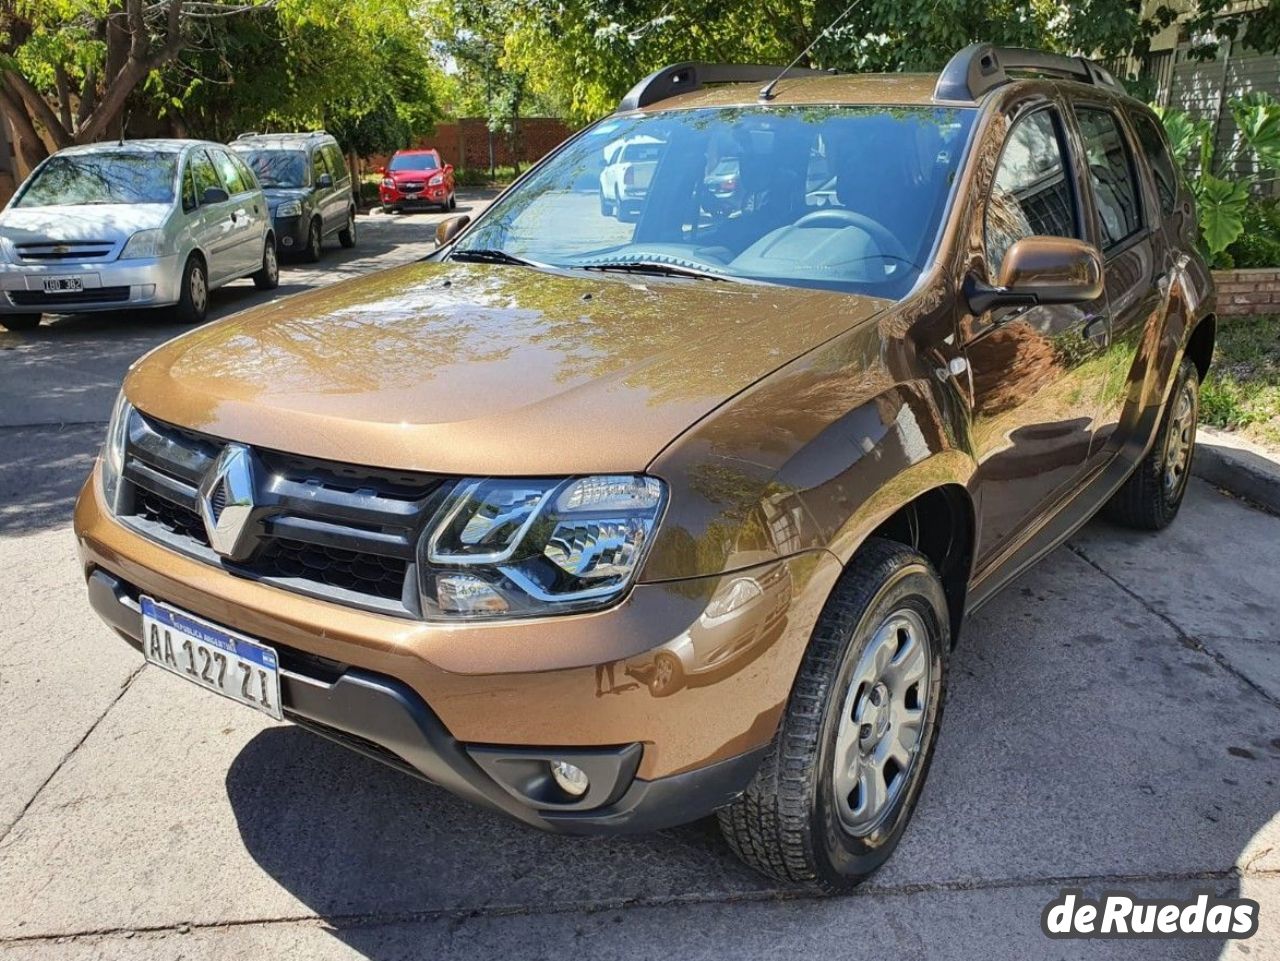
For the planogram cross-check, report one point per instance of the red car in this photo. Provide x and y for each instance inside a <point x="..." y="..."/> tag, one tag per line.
<point x="417" y="178"/>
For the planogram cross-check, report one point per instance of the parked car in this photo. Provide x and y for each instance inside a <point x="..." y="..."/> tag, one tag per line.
<point x="610" y="527"/>
<point x="417" y="178"/>
<point x="145" y="223"/>
<point x="629" y="163"/>
<point x="308" y="188"/>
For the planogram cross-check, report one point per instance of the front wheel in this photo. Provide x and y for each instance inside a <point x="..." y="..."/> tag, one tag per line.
<point x="193" y="301"/>
<point x="833" y="795"/>
<point x="1150" y="498"/>
<point x="268" y="275"/>
<point x="20" y="321"/>
<point x="311" y="253"/>
<point x="347" y="236"/>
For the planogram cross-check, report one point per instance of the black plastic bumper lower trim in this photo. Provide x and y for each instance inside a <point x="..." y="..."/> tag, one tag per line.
<point x="388" y="721"/>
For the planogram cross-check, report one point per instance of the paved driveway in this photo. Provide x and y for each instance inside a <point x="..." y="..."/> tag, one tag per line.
<point x="1114" y="722"/>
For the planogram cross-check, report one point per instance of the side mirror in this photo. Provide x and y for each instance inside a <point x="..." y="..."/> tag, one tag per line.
<point x="214" y="195"/>
<point x="324" y="181"/>
<point x="446" y="230"/>
<point x="1040" y="270"/>
<point x="383" y="171"/>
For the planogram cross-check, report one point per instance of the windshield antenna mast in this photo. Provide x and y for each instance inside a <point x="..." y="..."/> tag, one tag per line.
<point x="766" y="92"/>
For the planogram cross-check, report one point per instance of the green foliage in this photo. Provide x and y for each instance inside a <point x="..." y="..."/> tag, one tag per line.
<point x="1221" y="205"/>
<point x="1242" y="391"/>
<point x="1259" y="243"/>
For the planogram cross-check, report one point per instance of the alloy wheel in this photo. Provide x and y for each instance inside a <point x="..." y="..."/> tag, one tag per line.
<point x="199" y="290"/>
<point x="881" y="732"/>
<point x="1181" y="438"/>
<point x="270" y="261"/>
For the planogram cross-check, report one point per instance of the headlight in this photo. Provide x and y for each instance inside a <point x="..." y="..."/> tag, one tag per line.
<point x="388" y="182"/>
<point x="113" y="452"/>
<point x="144" y="244"/>
<point x="522" y="548"/>
<point x="290" y="208"/>
<point x="436" y="180"/>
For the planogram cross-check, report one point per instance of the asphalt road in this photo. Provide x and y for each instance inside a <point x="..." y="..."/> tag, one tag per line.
<point x="1114" y="722"/>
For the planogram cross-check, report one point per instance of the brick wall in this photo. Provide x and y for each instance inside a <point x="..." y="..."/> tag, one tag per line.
<point x="1248" y="291"/>
<point x="465" y="143"/>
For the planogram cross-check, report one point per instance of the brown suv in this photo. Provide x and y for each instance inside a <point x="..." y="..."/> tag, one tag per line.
<point x="611" y="523"/>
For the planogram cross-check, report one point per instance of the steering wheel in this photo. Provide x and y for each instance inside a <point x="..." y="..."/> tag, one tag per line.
<point x="889" y="245"/>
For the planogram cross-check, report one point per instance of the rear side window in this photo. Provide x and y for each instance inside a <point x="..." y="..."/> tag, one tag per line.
<point x="1157" y="153"/>
<point x="246" y="175"/>
<point x="1030" y="195"/>
<point x="318" y="165"/>
<point x="337" y="166"/>
<point x="1111" y="172"/>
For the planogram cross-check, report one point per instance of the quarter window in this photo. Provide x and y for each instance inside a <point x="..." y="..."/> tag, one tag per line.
<point x="1031" y="194"/>
<point x="1115" y="188"/>
<point x="1162" y="168"/>
<point x="231" y="177"/>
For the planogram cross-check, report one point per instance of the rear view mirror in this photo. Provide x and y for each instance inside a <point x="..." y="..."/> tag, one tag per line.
<point x="446" y="230"/>
<point x="214" y="195"/>
<point x="1040" y="270"/>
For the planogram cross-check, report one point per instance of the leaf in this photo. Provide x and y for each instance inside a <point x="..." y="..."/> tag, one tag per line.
<point x="1221" y="205"/>
<point x="1258" y="117"/>
<point x="1187" y="137"/>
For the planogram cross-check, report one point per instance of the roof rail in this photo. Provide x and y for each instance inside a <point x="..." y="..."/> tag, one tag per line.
<point x="980" y="67"/>
<point x="248" y="134"/>
<point x="685" y="77"/>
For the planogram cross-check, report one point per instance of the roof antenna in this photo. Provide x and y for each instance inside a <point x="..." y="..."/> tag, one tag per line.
<point x="766" y="92"/>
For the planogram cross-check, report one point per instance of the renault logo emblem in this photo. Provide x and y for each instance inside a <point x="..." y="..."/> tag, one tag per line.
<point x="226" y="502"/>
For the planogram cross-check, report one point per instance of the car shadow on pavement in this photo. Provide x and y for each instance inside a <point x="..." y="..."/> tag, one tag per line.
<point x="1087" y="744"/>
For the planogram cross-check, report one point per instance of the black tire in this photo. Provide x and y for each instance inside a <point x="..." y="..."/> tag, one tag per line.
<point x="787" y="824"/>
<point x="315" y="242"/>
<point x="18" y="322"/>
<point x="453" y="201"/>
<point x="606" y="208"/>
<point x="268" y="276"/>
<point x="1151" y="497"/>
<point x="388" y="209"/>
<point x="193" y="302"/>
<point x="347" y="235"/>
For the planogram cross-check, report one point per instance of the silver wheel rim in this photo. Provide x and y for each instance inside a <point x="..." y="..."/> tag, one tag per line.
<point x="662" y="672"/>
<point x="351" y="227"/>
<point x="199" y="290"/>
<point x="882" y="722"/>
<point x="1181" y="439"/>
<point x="269" y="260"/>
<point x="315" y="239"/>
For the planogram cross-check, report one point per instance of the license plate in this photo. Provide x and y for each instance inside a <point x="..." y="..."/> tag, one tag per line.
<point x="63" y="285"/>
<point x="212" y="657"/>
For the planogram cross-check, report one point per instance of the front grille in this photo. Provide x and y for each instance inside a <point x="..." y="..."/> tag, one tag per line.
<point x="90" y="295"/>
<point x="76" y="250"/>
<point x="337" y="531"/>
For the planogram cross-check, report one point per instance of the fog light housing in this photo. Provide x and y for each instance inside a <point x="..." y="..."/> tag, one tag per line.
<point x="570" y="778"/>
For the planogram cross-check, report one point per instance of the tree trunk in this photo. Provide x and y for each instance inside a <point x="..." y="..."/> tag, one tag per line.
<point x="26" y="142"/>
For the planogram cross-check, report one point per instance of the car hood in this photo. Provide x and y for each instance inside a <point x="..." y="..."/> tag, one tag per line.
<point x="477" y="369"/>
<point x="400" y="176"/>
<point x="278" y="195"/>
<point x="87" y="222"/>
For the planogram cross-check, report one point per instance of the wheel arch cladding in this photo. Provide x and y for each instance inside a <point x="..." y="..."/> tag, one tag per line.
<point x="1200" y="344"/>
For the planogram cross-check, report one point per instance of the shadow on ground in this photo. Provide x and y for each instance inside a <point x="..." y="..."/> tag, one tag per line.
<point x="1087" y="745"/>
<point x="41" y="471"/>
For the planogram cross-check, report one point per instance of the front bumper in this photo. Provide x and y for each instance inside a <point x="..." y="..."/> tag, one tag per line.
<point x="476" y="707"/>
<point x="291" y="232"/>
<point x="427" y="196"/>
<point x="108" y="285"/>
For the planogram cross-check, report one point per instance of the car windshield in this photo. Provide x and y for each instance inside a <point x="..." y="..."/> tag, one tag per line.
<point x="102" y="178"/>
<point x="413" y="161"/>
<point x="848" y="198"/>
<point x="278" y="168"/>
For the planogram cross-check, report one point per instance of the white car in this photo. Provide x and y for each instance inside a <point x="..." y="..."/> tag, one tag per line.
<point x="145" y="223"/>
<point x="628" y="169"/>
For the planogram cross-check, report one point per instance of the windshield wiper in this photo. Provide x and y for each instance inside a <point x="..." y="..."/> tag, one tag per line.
<point x="484" y="255"/>
<point x="660" y="269"/>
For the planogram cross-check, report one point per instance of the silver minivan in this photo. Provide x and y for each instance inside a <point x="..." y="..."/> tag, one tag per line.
<point x="144" y="223"/>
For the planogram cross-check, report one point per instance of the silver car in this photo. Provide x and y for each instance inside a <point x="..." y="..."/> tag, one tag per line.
<point x="145" y="223"/>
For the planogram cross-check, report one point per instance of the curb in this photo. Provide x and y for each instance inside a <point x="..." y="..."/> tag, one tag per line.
<point x="1238" y="466"/>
